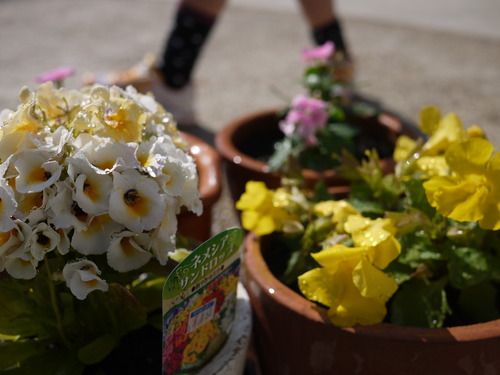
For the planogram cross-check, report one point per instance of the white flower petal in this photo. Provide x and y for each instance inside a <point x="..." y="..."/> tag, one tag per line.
<point x="43" y="240"/>
<point x="125" y="254"/>
<point x="21" y="267"/>
<point x="106" y="156"/>
<point x="135" y="201"/>
<point x="65" y="212"/>
<point x="162" y="246"/>
<point x="8" y="206"/>
<point x="36" y="171"/>
<point x="16" y="241"/>
<point x="92" y="192"/>
<point x="96" y="239"/>
<point x="173" y="177"/>
<point x="82" y="278"/>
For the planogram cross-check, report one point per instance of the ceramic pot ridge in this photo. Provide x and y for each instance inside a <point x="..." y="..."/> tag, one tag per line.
<point x="294" y="336"/>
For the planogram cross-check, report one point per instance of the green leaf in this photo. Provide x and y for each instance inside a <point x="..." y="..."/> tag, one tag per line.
<point x="116" y="311"/>
<point x="149" y="292"/>
<point x="97" y="350"/>
<point x="14" y="352"/>
<point x="17" y="315"/>
<point x="283" y="150"/>
<point x="416" y="197"/>
<point x="420" y="303"/>
<point x="468" y="266"/>
<point x="50" y="362"/>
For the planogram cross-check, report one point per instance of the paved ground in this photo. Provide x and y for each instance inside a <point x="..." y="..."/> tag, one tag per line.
<point x="409" y="54"/>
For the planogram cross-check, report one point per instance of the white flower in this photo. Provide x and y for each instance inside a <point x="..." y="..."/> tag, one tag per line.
<point x="20" y="267"/>
<point x="32" y="207"/>
<point x="162" y="247"/>
<point x="127" y="253"/>
<point x="15" y="240"/>
<point x="58" y="140"/>
<point x="8" y="206"/>
<point x="135" y="201"/>
<point x="16" y="130"/>
<point x="96" y="238"/>
<point x="36" y="171"/>
<point x="91" y="189"/>
<point x="82" y="278"/>
<point x="152" y="154"/>
<point x="173" y="177"/>
<point x="190" y="194"/>
<point x="43" y="240"/>
<point x="65" y="212"/>
<point x="106" y="155"/>
<point x="163" y="237"/>
<point x="64" y="243"/>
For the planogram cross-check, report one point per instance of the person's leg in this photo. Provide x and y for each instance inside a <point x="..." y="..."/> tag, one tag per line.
<point x="326" y="26"/>
<point x="168" y="77"/>
<point x="324" y="23"/>
<point x="193" y="23"/>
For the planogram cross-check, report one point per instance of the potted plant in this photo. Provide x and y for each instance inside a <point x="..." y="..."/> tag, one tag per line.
<point x="309" y="135"/>
<point x="401" y="275"/>
<point x="91" y="184"/>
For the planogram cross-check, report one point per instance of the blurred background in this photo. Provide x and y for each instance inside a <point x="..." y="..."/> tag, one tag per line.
<point x="408" y="54"/>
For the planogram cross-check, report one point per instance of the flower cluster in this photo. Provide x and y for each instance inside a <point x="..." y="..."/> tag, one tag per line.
<point x="97" y="172"/>
<point x="417" y="247"/>
<point x="315" y="125"/>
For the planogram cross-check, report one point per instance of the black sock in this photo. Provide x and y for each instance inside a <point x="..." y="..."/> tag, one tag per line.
<point x="330" y="32"/>
<point x="186" y="39"/>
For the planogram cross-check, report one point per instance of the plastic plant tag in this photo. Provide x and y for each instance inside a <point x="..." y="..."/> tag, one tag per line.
<point x="199" y="303"/>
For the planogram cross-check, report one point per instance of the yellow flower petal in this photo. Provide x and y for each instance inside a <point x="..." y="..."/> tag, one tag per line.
<point x="385" y="252"/>
<point x="449" y="131"/>
<point x="404" y="148"/>
<point x="373" y="283"/>
<point x="331" y="257"/>
<point x="356" y="309"/>
<point x="470" y="156"/>
<point x="429" y="119"/>
<point x="319" y="285"/>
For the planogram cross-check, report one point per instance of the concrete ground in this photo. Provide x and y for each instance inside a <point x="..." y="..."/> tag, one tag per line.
<point x="409" y="54"/>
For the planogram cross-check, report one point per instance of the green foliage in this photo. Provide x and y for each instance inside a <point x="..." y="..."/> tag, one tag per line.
<point x="421" y="303"/>
<point x="80" y="333"/>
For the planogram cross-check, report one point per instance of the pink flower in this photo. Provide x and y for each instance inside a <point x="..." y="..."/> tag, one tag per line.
<point x="306" y="117"/>
<point x="322" y="52"/>
<point x="56" y="75"/>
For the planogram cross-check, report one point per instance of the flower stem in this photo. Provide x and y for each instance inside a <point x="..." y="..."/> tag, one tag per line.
<point x="55" y="306"/>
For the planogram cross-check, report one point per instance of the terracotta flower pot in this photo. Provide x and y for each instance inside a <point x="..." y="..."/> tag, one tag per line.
<point x="208" y="164"/>
<point x="293" y="336"/>
<point x="237" y="141"/>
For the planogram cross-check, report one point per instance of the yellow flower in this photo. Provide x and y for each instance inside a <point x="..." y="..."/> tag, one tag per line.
<point x="472" y="191"/>
<point x="340" y="210"/>
<point x="263" y="210"/>
<point x="354" y="290"/>
<point x="377" y="235"/>
<point x="404" y="148"/>
<point x="443" y="131"/>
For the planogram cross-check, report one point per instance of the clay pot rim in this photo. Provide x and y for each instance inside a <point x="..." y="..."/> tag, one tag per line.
<point x="225" y="145"/>
<point x="254" y="260"/>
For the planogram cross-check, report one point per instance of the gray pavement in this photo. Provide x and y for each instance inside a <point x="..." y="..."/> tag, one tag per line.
<point x="408" y="54"/>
